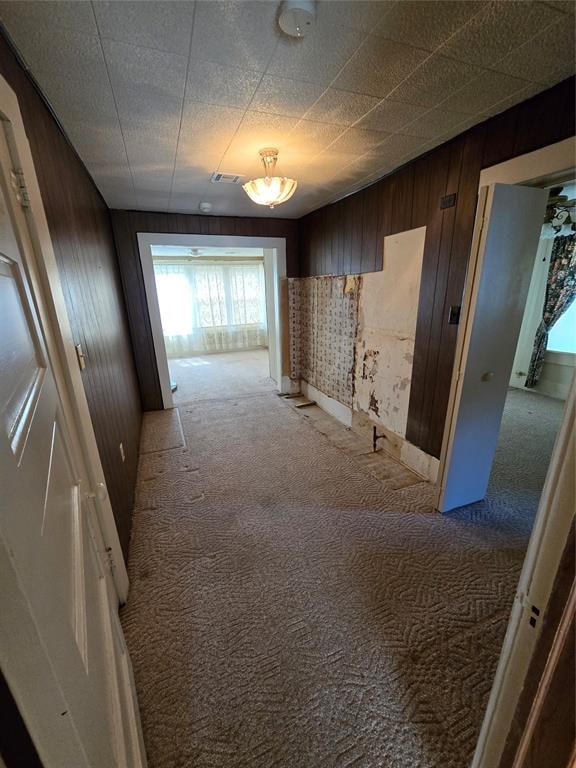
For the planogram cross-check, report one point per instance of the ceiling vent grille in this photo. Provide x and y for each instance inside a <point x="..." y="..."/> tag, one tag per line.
<point x="225" y="178"/>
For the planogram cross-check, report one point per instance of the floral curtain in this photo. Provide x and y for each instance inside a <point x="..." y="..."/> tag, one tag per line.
<point x="560" y="293"/>
<point x="208" y="307"/>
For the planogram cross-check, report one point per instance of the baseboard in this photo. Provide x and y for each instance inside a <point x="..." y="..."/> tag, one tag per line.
<point x="335" y="408"/>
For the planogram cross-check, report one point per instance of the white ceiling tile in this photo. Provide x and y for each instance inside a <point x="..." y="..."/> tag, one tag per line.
<point x="215" y="84"/>
<point x="341" y="107"/>
<point x="396" y="148"/>
<point x="97" y="144"/>
<point x="151" y="201"/>
<point x="58" y="51"/>
<point x="549" y="55"/>
<point x="357" y="141"/>
<point x="497" y="30"/>
<point x="391" y="116"/>
<point x="364" y="15"/>
<point x="434" y="123"/>
<point x="147" y="83"/>
<point x="425" y="24"/>
<point x="134" y="119"/>
<point x="434" y="81"/>
<point x="148" y="88"/>
<point x="283" y="96"/>
<point x="33" y="15"/>
<point x="379" y="66"/>
<point x="480" y="94"/>
<point x="236" y="34"/>
<point x="151" y="24"/>
<point x="309" y="137"/>
<point x="318" y="57"/>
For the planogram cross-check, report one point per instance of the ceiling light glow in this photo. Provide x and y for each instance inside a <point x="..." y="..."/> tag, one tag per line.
<point x="270" y="190"/>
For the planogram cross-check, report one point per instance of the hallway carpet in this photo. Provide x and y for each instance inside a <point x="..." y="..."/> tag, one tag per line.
<point x="229" y="374"/>
<point x="290" y="610"/>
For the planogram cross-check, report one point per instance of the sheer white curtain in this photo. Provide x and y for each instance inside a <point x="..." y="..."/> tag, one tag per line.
<point x="210" y="307"/>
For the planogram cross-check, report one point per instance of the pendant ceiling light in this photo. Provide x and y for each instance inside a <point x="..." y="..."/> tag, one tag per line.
<point x="269" y="189"/>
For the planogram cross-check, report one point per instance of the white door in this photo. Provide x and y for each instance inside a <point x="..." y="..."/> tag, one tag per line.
<point x="61" y="645"/>
<point x="497" y="288"/>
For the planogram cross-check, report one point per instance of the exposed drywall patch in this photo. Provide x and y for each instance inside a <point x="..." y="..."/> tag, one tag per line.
<point x="387" y="312"/>
<point x="323" y="319"/>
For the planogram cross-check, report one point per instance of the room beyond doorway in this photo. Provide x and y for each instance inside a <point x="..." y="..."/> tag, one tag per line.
<point x="220" y="376"/>
<point x="212" y="294"/>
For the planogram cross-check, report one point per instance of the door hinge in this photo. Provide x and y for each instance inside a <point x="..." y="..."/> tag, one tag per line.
<point x="81" y="356"/>
<point x="19" y="186"/>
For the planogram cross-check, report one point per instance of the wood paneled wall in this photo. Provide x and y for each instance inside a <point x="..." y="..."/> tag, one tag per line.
<point x="126" y="226"/>
<point x="81" y="232"/>
<point x="347" y="236"/>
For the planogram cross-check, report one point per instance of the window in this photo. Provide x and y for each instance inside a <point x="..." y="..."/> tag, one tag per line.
<point x="211" y="307"/>
<point x="562" y="335"/>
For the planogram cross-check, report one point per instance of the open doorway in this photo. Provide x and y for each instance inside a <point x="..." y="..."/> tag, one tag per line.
<point x="513" y="207"/>
<point x="213" y="311"/>
<point x="216" y="311"/>
<point x="542" y="365"/>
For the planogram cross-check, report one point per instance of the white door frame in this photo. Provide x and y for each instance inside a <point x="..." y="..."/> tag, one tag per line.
<point x="43" y="269"/>
<point x="276" y="244"/>
<point x="533" y="169"/>
<point x="551" y="164"/>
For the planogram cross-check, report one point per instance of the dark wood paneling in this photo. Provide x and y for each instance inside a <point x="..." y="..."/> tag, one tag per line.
<point x="81" y="232"/>
<point x="410" y="197"/>
<point x="127" y="224"/>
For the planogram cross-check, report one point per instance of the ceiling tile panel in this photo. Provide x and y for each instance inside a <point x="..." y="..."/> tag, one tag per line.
<point x="22" y="18"/>
<point x="434" y="123"/>
<point x="155" y="25"/>
<point x="317" y="58"/>
<point x="283" y="96"/>
<point x="549" y="56"/>
<point x="480" y="94"/>
<point x="148" y="87"/>
<point x="61" y="52"/>
<point x="379" y="66"/>
<point x="373" y="85"/>
<point x="391" y="116"/>
<point x="216" y="84"/>
<point x="433" y="81"/>
<point x="236" y="34"/>
<point x="498" y="29"/>
<point x="357" y="141"/>
<point x="341" y="107"/>
<point x="308" y="138"/>
<point x="426" y="24"/>
<point x="356" y="14"/>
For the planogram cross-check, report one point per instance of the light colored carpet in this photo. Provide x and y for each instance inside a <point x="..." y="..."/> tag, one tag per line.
<point x="230" y="374"/>
<point x="289" y="609"/>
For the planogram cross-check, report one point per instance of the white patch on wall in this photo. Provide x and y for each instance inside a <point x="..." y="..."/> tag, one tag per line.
<point x="388" y="308"/>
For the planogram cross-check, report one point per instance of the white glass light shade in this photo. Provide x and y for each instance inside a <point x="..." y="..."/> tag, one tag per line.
<point x="270" y="190"/>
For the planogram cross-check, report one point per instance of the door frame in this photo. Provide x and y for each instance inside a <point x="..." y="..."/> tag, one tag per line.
<point x="45" y="278"/>
<point x="278" y="366"/>
<point x="555" y="162"/>
<point x="543" y="167"/>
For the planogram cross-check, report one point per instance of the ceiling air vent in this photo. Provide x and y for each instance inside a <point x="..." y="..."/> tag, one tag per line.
<point x="225" y="178"/>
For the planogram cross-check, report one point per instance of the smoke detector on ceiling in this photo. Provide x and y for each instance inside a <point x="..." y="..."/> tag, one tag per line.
<point x="297" y="17"/>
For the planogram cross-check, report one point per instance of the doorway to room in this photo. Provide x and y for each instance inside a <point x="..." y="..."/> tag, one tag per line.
<point x="215" y="310"/>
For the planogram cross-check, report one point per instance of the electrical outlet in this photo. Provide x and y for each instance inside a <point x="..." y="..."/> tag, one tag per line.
<point x="122" y="454"/>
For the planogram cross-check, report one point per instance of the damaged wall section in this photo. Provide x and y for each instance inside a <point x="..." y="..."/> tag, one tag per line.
<point x="323" y="319"/>
<point x="352" y="338"/>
